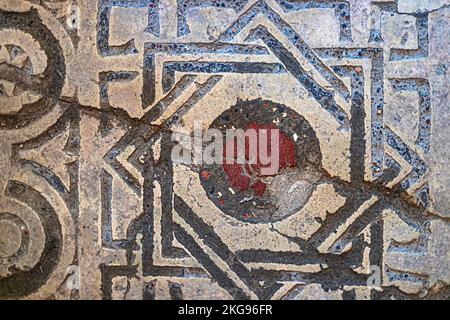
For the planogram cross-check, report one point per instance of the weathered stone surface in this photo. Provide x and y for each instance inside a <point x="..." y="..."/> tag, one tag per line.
<point x="93" y="205"/>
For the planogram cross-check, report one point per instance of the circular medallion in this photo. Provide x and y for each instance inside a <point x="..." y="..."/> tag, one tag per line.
<point x="248" y="190"/>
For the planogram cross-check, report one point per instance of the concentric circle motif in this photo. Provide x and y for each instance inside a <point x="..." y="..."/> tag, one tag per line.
<point x="245" y="191"/>
<point x="21" y="282"/>
<point x="32" y="69"/>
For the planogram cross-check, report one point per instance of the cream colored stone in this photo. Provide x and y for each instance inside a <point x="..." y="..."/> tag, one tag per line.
<point x="304" y="204"/>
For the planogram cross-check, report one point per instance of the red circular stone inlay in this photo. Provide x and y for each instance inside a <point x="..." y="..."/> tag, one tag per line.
<point x="248" y="176"/>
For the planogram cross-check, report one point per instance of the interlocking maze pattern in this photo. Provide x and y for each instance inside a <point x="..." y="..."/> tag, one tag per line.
<point x="89" y="191"/>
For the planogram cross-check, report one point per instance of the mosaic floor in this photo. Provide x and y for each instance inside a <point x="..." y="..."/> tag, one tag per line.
<point x="93" y="205"/>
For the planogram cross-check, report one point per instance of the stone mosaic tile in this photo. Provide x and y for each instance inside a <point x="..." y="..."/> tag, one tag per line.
<point x="92" y="205"/>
